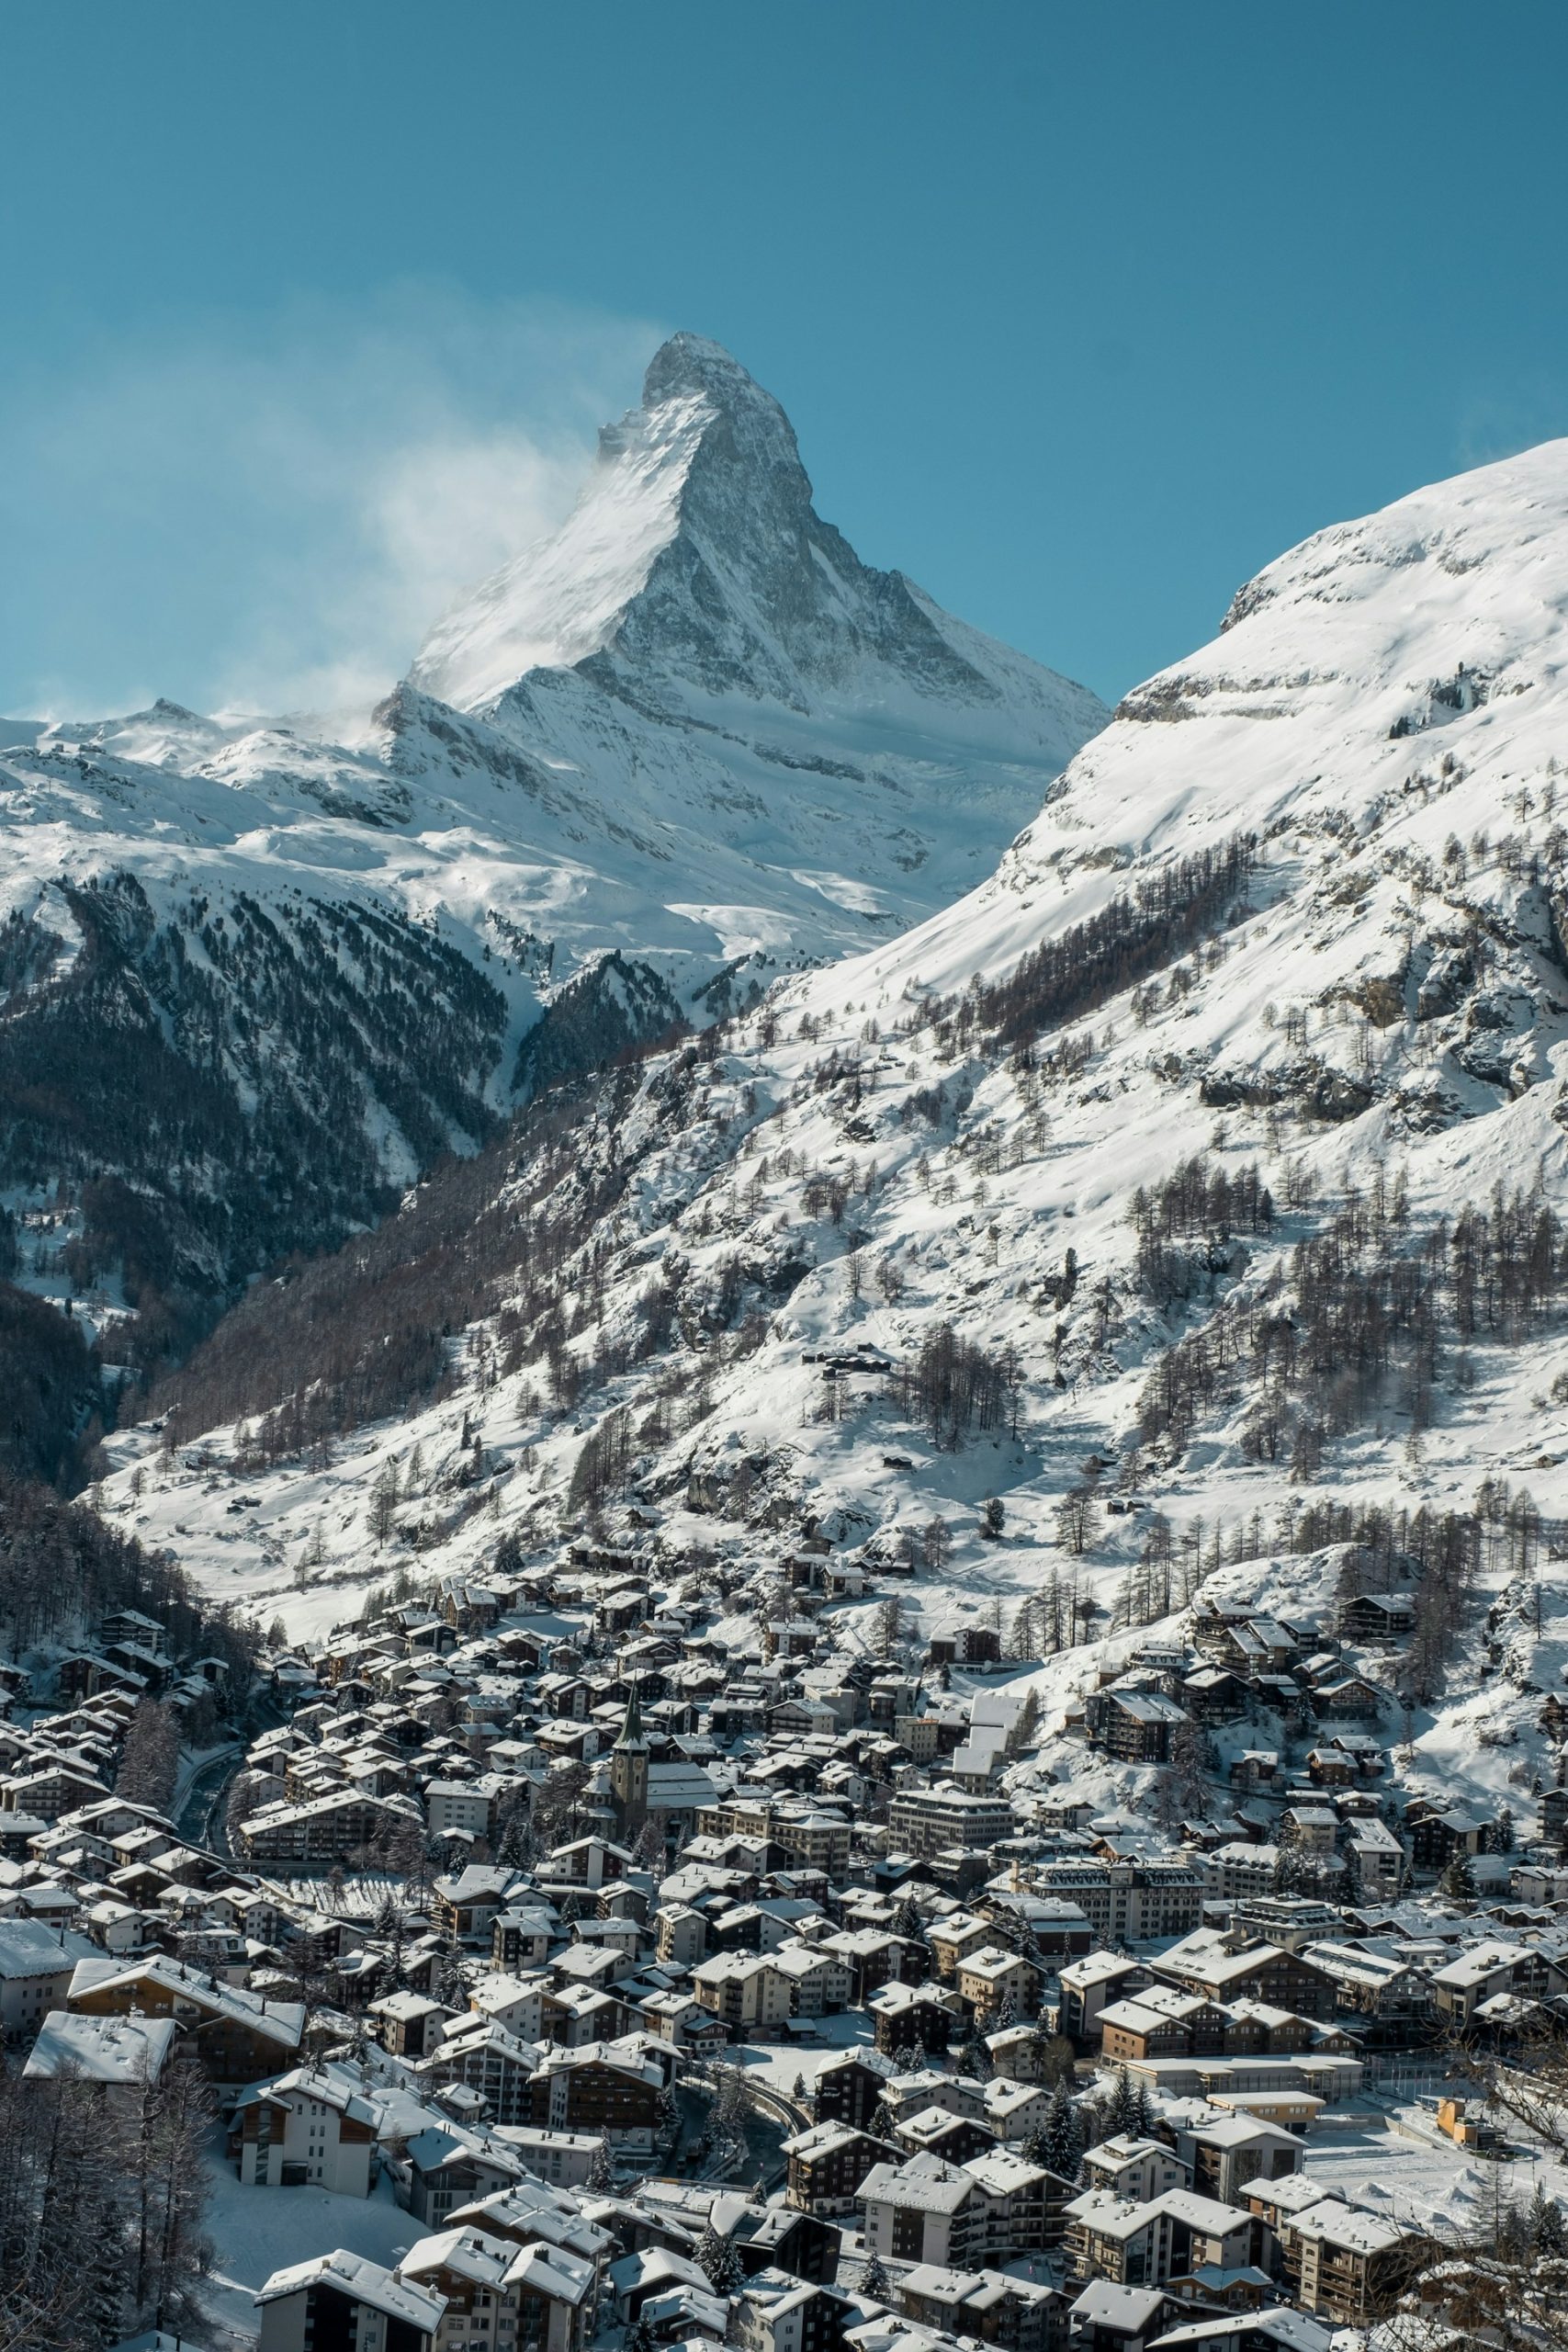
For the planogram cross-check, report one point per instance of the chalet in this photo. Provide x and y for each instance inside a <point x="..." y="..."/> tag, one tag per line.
<point x="989" y="2306"/>
<point x="743" y="1989"/>
<point x="1089" y="1985"/>
<point x="239" y="2037"/>
<point x="1436" y="1837"/>
<point x="996" y="1984"/>
<point x="932" y="2130"/>
<point x="1134" y="2169"/>
<point x="1376" y="1619"/>
<point x="1352" y="2266"/>
<point x="850" y="2085"/>
<point x="827" y="2164"/>
<point x="343" y="2299"/>
<point x="989" y="2210"/>
<point x="496" y="2065"/>
<point x="920" y="2017"/>
<point x="1486" y="1970"/>
<point x="330" y="1828"/>
<point x="37" y="1969"/>
<point x="467" y="1905"/>
<point x="1345" y="1698"/>
<point x="538" y="2295"/>
<point x="1212" y="1694"/>
<point x="1259" y="1972"/>
<point x="122" y="2057"/>
<point x="1246" y="1644"/>
<point x="1147" y="2245"/>
<point x="603" y="2088"/>
<point x="408" y="2023"/>
<point x="1226" y="2155"/>
<point x="1135" y="1726"/>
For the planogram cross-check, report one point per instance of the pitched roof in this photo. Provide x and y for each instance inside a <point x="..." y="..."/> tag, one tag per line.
<point x="366" y="2281"/>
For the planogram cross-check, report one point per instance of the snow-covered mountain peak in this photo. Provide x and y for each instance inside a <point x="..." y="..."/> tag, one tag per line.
<point x="687" y="744"/>
<point x="744" y="422"/>
<point x="1357" y="682"/>
<point x="709" y="454"/>
<point x="1405" y="556"/>
<point x="694" y="569"/>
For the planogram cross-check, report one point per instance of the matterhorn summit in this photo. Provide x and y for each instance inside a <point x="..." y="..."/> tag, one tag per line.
<point x="695" y="565"/>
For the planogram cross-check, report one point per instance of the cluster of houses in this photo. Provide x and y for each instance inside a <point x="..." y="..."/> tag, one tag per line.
<point x="1313" y="1805"/>
<point x="511" y="1870"/>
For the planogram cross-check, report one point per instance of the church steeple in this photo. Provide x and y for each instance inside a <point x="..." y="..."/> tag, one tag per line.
<point x="628" y="1772"/>
<point x="631" y="1730"/>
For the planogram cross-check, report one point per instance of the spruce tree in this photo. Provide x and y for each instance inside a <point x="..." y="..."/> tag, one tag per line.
<point x="719" y="2259"/>
<point x="1122" y="2110"/>
<point x="1544" y="2223"/>
<point x="1062" y="2133"/>
<point x="1458" y="1881"/>
<point x="148" y="1762"/>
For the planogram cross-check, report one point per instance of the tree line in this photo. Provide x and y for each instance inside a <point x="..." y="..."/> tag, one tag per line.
<point x="62" y="1568"/>
<point x="1364" y="1316"/>
<point x="954" y="1385"/>
<point x="1090" y="962"/>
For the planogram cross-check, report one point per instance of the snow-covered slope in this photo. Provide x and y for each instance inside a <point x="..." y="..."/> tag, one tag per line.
<point x="692" y="735"/>
<point x="1370" y="1005"/>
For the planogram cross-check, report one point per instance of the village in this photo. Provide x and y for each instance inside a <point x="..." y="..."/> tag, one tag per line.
<point x="615" y="1952"/>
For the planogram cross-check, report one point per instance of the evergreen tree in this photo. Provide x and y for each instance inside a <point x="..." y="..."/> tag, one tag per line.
<point x="1458" y="1881"/>
<point x="602" y="2168"/>
<point x="717" y="2257"/>
<point x="874" y="2282"/>
<point x="1286" y="1877"/>
<point x="1545" y="2227"/>
<point x="452" y="1986"/>
<point x="908" y="1922"/>
<point x="1062" y="2133"/>
<point x="383" y="1512"/>
<point x="1124" y="2109"/>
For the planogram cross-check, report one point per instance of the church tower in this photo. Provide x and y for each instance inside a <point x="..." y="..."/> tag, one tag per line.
<point x="628" y="1773"/>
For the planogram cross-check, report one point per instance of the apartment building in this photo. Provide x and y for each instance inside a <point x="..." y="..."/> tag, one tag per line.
<point x="925" y="1822"/>
<point x="1131" y="1902"/>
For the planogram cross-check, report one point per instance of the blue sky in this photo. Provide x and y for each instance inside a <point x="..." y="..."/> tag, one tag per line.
<point x="1081" y="313"/>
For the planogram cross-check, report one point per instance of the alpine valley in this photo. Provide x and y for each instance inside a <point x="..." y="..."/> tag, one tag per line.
<point x="1176" y="1214"/>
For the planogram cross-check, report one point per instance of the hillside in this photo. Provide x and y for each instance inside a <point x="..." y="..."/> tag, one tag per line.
<point x="1190" y="1189"/>
<point x="257" y="976"/>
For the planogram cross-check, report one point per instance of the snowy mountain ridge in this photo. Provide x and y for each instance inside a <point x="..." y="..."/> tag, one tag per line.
<point x="987" y="1157"/>
<point x="692" y="740"/>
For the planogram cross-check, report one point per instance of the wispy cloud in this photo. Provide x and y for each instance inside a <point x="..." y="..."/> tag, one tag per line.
<point x="267" y="514"/>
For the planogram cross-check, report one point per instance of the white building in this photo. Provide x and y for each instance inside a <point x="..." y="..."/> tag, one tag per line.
<point x="308" y="2129"/>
